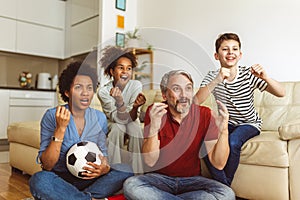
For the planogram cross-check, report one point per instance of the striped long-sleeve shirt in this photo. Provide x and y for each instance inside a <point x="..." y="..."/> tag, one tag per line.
<point x="238" y="96"/>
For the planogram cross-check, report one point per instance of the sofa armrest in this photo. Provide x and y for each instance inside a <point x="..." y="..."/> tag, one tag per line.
<point x="290" y="130"/>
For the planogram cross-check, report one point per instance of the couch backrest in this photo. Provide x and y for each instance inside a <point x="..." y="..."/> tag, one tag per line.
<point x="276" y="111"/>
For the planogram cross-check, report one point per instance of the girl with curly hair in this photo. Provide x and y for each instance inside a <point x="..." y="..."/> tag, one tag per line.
<point x="121" y="98"/>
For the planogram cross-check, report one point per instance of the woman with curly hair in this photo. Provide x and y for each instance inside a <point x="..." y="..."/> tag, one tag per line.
<point x="66" y="125"/>
<point x="121" y="98"/>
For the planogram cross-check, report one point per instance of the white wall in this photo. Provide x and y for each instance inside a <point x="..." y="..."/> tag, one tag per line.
<point x="108" y="24"/>
<point x="109" y="19"/>
<point x="269" y="31"/>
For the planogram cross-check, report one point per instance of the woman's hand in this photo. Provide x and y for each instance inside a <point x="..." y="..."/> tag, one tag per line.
<point x="96" y="170"/>
<point x="62" y="116"/>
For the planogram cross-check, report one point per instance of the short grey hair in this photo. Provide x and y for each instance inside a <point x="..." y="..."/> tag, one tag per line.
<point x="166" y="77"/>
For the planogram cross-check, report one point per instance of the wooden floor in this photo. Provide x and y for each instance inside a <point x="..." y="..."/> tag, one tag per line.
<point x="13" y="185"/>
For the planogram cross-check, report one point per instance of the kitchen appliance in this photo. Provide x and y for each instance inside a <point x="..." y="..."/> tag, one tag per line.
<point x="44" y="81"/>
<point x="54" y="81"/>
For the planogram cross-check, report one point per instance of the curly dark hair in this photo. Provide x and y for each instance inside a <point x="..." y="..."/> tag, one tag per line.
<point x="111" y="54"/>
<point x="67" y="77"/>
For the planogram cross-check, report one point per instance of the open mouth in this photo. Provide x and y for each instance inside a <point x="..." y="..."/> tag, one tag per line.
<point x="84" y="101"/>
<point x="124" y="78"/>
<point x="230" y="58"/>
<point x="183" y="101"/>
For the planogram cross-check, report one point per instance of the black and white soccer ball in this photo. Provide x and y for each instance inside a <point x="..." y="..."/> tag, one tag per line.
<point x="81" y="153"/>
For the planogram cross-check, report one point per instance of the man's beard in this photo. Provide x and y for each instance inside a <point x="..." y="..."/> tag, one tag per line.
<point x="182" y="110"/>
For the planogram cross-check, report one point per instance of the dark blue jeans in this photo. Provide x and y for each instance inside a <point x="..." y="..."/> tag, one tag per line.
<point x="238" y="135"/>
<point x="48" y="185"/>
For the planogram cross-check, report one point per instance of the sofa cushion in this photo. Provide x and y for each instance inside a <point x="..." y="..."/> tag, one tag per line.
<point x="265" y="150"/>
<point x="290" y="130"/>
<point x="25" y="133"/>
<point x="150" y="98"/>
<point x="276" y="111"/>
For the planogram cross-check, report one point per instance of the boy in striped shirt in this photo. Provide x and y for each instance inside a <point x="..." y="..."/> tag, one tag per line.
<point x="234" y="86"/>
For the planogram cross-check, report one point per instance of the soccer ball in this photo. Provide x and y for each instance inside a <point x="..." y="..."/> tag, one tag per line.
<point x="81" y="153"/>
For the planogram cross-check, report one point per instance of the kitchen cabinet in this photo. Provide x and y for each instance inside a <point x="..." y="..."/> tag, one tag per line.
<point x="83" y="10"/>
<point x="84" y="36"/>
<point x="4" y="101"/>
<point x="23" y="105"/>
<point x="81" y="26"/>
<point x="41" y="28"/>
<point x="29" y="105"/>
<point x="39" y="40"/>
<point x="8" y="8"/>
<point x="8" y="34"/>
<point x="46" y="13"/>
<point x="33" y="27"/>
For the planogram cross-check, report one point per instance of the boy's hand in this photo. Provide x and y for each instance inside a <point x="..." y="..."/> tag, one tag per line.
<point x="258" y="71"/>
<point x="223" y="74"/>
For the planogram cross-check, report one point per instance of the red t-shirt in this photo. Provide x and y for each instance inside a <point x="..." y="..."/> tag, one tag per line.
<point x="180" y="143"/>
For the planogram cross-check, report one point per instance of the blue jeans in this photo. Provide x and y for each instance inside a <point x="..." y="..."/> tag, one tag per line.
<point x="154" y="186"/>
<point x="48" y="185"/>
<point x="238" y="135"/>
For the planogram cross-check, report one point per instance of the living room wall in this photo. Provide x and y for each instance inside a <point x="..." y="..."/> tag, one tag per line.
<point x="269" y="31"/>
<point x="108" y="25"/>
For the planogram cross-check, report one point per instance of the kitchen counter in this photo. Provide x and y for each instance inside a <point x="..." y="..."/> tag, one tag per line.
<point x="31" y="88"/>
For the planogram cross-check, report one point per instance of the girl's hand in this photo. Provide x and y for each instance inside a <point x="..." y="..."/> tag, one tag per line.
<point x="116" y="93"/>
<point x="140" y="100"/>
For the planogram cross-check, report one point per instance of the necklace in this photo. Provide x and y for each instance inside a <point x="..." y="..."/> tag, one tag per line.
<point x="80" y="130"/>
<point x="79" y="123"/>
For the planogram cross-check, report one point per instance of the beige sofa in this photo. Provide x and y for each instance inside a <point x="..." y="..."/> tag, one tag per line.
<point x="269" y="165"/>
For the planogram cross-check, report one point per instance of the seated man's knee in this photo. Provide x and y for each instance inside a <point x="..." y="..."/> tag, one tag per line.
<point x="130" y="184"/>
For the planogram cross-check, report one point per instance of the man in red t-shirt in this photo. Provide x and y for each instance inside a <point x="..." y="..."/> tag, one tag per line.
<point x="174" y="132"/>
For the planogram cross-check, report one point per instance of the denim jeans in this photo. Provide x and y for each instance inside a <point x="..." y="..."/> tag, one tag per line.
<point x="155" y="186"/>
<point x="48" y="185"/>
<point x="238" y="135"/>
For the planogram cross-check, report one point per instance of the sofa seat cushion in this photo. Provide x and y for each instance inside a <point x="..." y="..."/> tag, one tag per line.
<point x="27" y="133"/>
<point x="265" y="149"/>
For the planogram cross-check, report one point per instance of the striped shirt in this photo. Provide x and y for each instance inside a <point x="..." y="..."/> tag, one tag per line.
<point x="238" y="96"/>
